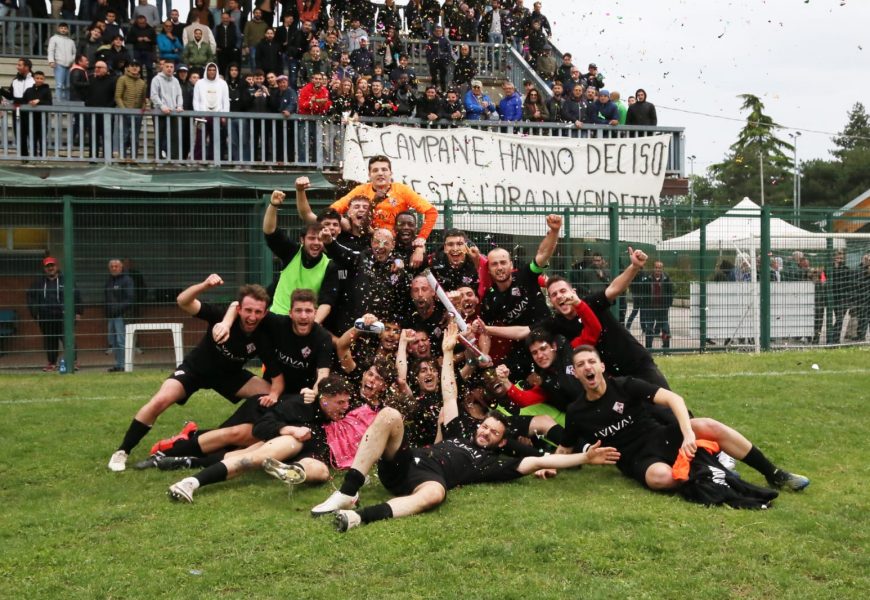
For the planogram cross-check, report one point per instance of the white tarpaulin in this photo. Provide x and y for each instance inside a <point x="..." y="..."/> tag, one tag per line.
<point x="741" y="227"/>
<point x="493" y="172"/>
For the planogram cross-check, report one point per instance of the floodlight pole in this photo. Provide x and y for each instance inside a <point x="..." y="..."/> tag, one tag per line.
<point x="796" y="192"/>
<point x="761" y="172"/>
<point x="692" y="190"/>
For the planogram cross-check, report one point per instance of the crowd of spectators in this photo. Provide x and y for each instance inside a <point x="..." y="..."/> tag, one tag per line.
<point x="330" y="66"/>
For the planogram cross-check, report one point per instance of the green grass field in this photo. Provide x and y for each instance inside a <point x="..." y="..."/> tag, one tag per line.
<point x="72" y="529"/>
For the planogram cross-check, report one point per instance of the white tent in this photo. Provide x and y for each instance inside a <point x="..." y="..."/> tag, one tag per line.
<point x="741" y="227"/>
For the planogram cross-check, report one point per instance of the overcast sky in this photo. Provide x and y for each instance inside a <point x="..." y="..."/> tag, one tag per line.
<point x="806" y="59"/>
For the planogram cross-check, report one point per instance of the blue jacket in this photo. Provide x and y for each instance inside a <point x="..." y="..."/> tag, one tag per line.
<point x="473" y="110"/>
<point x="511" y="108"/>
<point x="601" y="114"/>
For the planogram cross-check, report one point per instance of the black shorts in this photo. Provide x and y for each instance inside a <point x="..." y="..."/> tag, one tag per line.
<point x="659" y="445"/>
<point x="520" y="424"/>
<point x="403" y="474"/>
<point x="248" y="411"/>
<point x="225" y="384"/>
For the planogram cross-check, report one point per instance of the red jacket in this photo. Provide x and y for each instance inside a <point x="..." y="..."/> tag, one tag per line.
<point x="308" y="97"/>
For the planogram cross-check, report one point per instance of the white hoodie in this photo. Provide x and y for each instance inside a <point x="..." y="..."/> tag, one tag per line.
<point x="211" y="95"/>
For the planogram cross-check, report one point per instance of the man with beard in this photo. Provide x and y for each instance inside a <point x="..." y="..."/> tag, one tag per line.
<point x="428" y="315"/>
<point x="421" y="478"/>
<point x="388" y="200"/>
<point x="211" y="365"/>
<point x="305" y="266"/>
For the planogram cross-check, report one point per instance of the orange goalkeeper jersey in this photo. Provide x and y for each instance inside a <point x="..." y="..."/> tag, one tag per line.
<point x="399" y="199"/>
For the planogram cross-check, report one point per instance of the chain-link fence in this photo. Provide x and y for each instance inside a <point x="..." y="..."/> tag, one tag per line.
<point x="744" y="279"/>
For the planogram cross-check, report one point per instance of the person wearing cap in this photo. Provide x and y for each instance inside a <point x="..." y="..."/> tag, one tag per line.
<point x="602" y="111"/>
<point x="45" y="301"/>
<point x="362" y="59"/>
<point x="478" y="106"/>
<point x="61" y="55"/>
<point x="130" y="92"/>
<point x="593" y="77"/>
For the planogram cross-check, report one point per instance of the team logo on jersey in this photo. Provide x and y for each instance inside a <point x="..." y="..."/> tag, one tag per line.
<point x="179" y="372"/>
<point x="618" y="407"/>
<point x="251" y="348"/>
<point x="306" y="351"/>
<point x="437" y="332"/>
<point x="569" y="370"/>
<point x="516" y="292"/>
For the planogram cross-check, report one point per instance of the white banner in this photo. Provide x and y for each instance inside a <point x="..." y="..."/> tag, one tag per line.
<point x="498" y="172"/>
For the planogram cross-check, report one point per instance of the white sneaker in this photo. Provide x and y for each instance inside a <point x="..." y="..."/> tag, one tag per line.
<point x="118" y="462"/>
<point x="337" y="501"/>
<point x="347" y="519"/>
<point x="291" y="474"/>
<point x="183" y="490"/>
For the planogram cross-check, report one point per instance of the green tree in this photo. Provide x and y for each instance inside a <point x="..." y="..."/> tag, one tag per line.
<point x="856" y="134"/>
<point x="739" y="174"/>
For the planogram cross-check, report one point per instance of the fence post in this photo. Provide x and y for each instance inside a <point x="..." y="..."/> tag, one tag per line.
<point x="448" y="213"/>
<point x="702" y="282"/>
<point x="69" y="283"/>
<point x="764" y="278"/>
<point x="613" y="215"/>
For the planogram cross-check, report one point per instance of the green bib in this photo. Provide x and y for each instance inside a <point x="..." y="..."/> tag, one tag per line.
<point x="296" y="277"/>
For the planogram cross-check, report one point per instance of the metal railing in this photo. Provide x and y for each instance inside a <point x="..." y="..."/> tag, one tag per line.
<point x="492" y="59"/>
<point x="520" y="71"/>
<point x="69" y="134"/>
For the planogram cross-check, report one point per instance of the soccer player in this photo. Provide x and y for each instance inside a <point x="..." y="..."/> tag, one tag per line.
<point x="614" y="411"/>
<point x="215" y="365"/>
<point x="421" y="477"/>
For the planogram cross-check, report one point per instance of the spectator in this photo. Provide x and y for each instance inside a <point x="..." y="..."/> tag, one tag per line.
<point x="91" y="44"/>
<point x="429" y="107"/>
<point x="621" y="107"/>
<point x="841" y="283"/>
<point x="61" y="55"/>
<point x="314" y="97"/>
<point x="421" y="16"/>
<point x="641" y="112"/>
<point x="555" y="103"/>
<point x="166" y="97"/>
<point x="631" y="100"/>
<point x="45" y="300"/>
<point x="353" y="35"/>
<point x="478" y="105"/>
<point x="177" y="25"/>
<point x="591" y="96"/>
<point x="654" y="320"/>
<point x="198" y="53"/>
<point x="602" y="111"/>
<point x="574" y="108"/>
<point x="289" y="38"/>
<point x="8" y="8"/>
<point x="115" y="55"/>
<point x="361" y="106"/>
<point x="255" y="31"/>
<point x="331" y="48"/>
<point x="309" y="10"/>
<point x="453" y="109"/>
<point x="492" y="24"/>
<point x="534" y="109"/>
<point x="510" y="108"/>
<point x="439" y="55"/>
<point x="144" y="40"/>
<point x="342" y="100"/>
<point x="284" y="100"/>
<point x="537" y="42"/>
<point x="464" y="26"/>
<point x="392" y="48"/>
<point x="258" y="102"/>
<point x="101" y="93"/>
<point x="593" y="77"/>
<point x="563" y="73"/>
<point x="574" y="80"/>
<point x="78" y="82"/>
<point x="862" y="298"/>
<point x="546" y="67"/>
<point x="119" y="297"/>
<point x="518" y="15"/>
<point x="199" y="13"/>
<point x="130" y="92"/>
<point x="362" y="58"/>
<point x="404" y="97"/>
<point x="345" y="70"/>
<point x="112" y="27"/>
<point x="227" y="39"/>
<point x="151" y="14"/>
<point x="187" y="35"/>
<point x="210" y="95"/>
<point x="39" y="94"/>
<point x="537" y="16"/>
<point x="168" y="44"/>
<point x="403" y="69"/>
<point x="381" y="102"/>
<point x="269" y="53"/>
<point x="313" y="63"/>
<point x="465" y="69"/>
<point x="331" y="27"/>
<point x="592" y="277"/>
<point x="237" y="90"/>
<point x="388" y="16"/>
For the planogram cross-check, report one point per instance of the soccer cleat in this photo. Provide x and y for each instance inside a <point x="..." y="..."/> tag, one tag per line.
<point x="347" y="519"/>
<point x="792" y="481"/>
<point x="291" y="474"/>
<point x="168" y="443"/>
<point x="183" y="490"/>
<point x="337" y="501"/>
<point x="148" y="463"/>
<point x="174" y="463"/>
<point x="118" y="462"/>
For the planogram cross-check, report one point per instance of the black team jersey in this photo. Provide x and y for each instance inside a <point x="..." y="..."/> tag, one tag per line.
<point x="620" y="352"/>
<point x="520" y="304"/>
<point x="295" y="357"/>
<point x="453" y="278"/>
<point x="620" y="418"/>
<point x="209" y="357"/>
